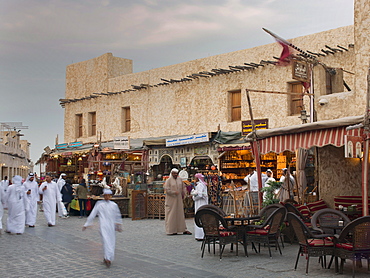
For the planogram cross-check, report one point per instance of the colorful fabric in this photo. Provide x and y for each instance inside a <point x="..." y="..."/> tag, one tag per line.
<point x="319" y="242"/>
<point x="304" y="210"/>
<point x="346" y="246"/>
<point x="258" y="232"/>
<point x="315" y="206"/>
<point x="227" y="233"/>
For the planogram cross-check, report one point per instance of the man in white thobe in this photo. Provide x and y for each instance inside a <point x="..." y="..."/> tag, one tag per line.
<point x="110" y="221"/>
<point x="16" y="206"/>
<point x="200" y="198"/>
<point x="2" y="202"/>
<point x="4" y="184"/>
<point x="287" y="187"/>
<point x="252" y="180"/>
<point x="32" y="198"/>
<point x="269" y="179"/>
<point x="51" y="196"/>
<point x="62" y="212"/>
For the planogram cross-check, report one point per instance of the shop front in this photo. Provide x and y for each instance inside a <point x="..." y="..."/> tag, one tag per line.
<point x="321" y="164"/>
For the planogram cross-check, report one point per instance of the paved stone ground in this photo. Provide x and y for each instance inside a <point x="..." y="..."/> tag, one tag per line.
<point x="142" y="250"/>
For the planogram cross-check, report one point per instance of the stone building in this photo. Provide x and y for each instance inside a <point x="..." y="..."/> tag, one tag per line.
<point x="105" y="99"/>
<point x="14" y="153"/>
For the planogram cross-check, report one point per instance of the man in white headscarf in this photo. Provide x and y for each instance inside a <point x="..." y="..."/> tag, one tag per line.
<point x="200" y="198"/>
<point x="4" y="184"/>
<point x="16" y="206"/>
<point x="287" y="186"/>
<point x="32" y="198"/>
<point x="2" y="205"/>
<point x="110" y="221"/>
<point x="174" y="208"/>
<point x="62" y="212"/>
<point x="51" y="196"/>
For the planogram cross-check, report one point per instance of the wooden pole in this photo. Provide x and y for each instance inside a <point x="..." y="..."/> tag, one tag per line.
<point x="365" y="160"/>
<point x="256" y="153"/>
<point x="279" y="93"/>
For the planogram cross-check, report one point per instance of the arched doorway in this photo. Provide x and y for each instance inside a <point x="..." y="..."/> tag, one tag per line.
<point x="164" y="167"/>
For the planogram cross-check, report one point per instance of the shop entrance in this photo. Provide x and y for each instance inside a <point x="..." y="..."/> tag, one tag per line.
<point x="163" y="168"/>
<point x="200" y="164"/>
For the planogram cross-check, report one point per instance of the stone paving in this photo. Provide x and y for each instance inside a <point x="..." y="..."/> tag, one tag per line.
<point x="142" y="250"/>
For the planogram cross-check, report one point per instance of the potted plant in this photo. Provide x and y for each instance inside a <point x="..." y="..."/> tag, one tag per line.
<point x="269" y="197"/>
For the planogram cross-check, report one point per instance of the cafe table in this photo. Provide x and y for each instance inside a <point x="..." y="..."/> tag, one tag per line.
<point x="240" y="225"/>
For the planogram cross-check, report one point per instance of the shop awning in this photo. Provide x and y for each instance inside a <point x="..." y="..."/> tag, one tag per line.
<point x="318" y="134"/>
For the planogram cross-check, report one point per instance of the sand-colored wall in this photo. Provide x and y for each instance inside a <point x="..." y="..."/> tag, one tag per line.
<point x="199" y="105"/>
<point x="91" y="76"/>
<point x="337" y="176"/>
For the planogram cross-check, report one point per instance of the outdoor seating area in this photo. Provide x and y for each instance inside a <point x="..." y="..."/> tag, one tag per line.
<point x="328" y="234"/>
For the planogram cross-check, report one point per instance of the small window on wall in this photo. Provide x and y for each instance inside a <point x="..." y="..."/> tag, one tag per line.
<point x="235" y="106"/>
<point x="79" y="125"/>
<point x="295" y="101"/>
<point x="126" y="119"/>
<point x="92" y="123"/>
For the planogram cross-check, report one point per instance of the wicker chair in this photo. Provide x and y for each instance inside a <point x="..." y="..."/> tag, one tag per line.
<point x="328" y="221"/>
<point x="213" y="207"/>
<point x="293" y="209"/>
<point x="215" y="230"/>
<point x="353" y="243"/>
<point x="310" y="244"/>
<point x="268" y="210"/>
<point x="269" y="231"/>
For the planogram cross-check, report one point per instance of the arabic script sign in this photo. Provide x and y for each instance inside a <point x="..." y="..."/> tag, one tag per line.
<point x="260" y="124"/>
<point x="121" y="143"/>
<point x="190" y="139"/>
<point x="301" y="71"/>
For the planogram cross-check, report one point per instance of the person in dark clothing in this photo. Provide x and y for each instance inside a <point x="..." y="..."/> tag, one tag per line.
<point x="81" y="193"/>
<point x="67" y="196"/>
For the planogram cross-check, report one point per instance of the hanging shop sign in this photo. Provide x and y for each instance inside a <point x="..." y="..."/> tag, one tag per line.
<point x="190" y="139"/>
<point x="352" y="146"/>
<point x="121" y="143"/>
<point x="260" y="124"/>
<point x="75" y="144"/>
<point x="61" y="146"/>
<point x="300" y="71"/>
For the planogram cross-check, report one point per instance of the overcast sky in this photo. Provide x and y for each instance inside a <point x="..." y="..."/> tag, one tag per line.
<point x="39" y="38"/>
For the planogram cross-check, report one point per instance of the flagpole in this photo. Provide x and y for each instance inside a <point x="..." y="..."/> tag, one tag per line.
<point x="304" y="53"/>
<point x="255" y="150"/>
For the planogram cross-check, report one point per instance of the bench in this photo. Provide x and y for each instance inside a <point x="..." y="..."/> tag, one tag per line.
<point x="347" y="201"/>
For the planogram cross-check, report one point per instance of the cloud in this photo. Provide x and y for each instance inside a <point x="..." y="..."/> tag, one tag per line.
<point x="64" y="24"/>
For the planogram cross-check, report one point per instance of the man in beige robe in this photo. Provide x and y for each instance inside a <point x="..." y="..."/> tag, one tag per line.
<point x="174" y="208"/>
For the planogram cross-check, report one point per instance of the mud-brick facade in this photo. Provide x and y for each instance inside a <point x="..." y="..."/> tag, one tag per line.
<point x="196" y="96"/>
<point x="202" y="102"/>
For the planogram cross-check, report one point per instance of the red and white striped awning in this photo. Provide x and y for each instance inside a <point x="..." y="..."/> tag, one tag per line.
<point x="306" y="140"/>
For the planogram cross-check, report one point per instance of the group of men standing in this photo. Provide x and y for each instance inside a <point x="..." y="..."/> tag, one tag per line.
<point x="22" y="199"/>
<point x="287" y="185"/>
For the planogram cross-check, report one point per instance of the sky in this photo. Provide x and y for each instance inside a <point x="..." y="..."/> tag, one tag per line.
<point x="39" y="38"/>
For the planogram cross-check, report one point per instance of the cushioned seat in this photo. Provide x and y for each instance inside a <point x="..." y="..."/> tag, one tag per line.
<point x="320" y="242"/>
